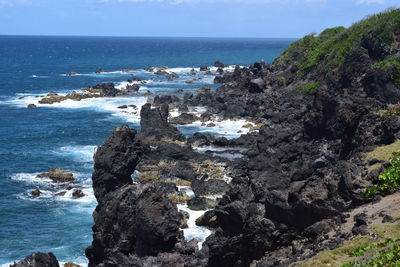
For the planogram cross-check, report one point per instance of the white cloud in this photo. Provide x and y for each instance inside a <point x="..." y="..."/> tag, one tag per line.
<point x="360" y="2"/>
<point x="9" y="3"/>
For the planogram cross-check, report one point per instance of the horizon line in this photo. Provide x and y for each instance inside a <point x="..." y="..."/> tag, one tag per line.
<point x="127" y="36"/>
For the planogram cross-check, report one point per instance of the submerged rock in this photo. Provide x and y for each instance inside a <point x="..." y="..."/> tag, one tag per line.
<point x="77" y="194"/>
<point x="36" y="193"/>
<point x="99" y="71"/>
<point x="31" y="106"/>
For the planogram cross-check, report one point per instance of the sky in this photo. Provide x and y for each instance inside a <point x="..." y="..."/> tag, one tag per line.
<point x="183" y="18"/>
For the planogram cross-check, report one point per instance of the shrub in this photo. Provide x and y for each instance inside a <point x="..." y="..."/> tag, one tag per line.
<point x="391" y="65"/>
<point x="382" y="254"/>
<point x="309" y="89"/>
<point x="389" y="180"/>
<point x="282" y="81"/>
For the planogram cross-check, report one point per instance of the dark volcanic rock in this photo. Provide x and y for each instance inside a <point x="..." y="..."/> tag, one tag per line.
<point x="115" y="161"/>
<point x="201" y="203"/>
<point x="219" y="64"/>
<point x="208" y="219"/>
<point x="38" y="259"/>
<point x="184" y="118"/>
<point x="154" y="123"/>
<point x="304" y="168"/>
<point x="77" y="194"/>
<point x="129" y="219"/>
<point x="108" y="89"/>
<point x="58" y="176"/>
<point x="36" y="193"/>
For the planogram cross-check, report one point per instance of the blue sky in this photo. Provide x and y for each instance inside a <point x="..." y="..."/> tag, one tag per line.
<point x="188" y="18"/>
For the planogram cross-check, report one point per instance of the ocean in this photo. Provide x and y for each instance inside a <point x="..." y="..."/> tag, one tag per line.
<point x="65" y="134"/>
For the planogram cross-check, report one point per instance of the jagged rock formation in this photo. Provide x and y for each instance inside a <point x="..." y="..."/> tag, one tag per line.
<point x="154" y="123"/>
<point x="133" y="223"/>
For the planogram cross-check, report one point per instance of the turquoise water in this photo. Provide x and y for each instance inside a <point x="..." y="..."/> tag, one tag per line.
<point x="65" y="135"/>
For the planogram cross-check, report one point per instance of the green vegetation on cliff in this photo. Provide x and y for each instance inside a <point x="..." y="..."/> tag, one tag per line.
<point x="391" y="65"/>
<point x="329" y="49"/>
<point x="377" y="250"/>
<point x="389" y="180"/>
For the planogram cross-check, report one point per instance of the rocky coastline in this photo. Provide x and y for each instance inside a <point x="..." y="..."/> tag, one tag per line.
<point x="298" y="175"/>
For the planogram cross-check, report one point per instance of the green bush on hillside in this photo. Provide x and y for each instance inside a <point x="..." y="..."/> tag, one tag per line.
<point x="390" y="65"/>
<point x="309" y="89"/>
<point x="389" y="180"/>
<point x="382" y="254"/>
<point x="330" y="48"/>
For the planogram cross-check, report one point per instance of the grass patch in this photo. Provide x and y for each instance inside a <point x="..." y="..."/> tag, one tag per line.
<point x="384" y="152"/>
<point x="253" y="126"/>
<point x="153" y="177"/>
<point x="381" y="254"/>
<point x="212" y="169"/>
<point x="282" y="81"/>
<point x="309" y="89"/>
<point x="178" y="198"/>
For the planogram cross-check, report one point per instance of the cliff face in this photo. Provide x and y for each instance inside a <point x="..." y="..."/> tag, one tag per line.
<point x="321" y="104"/>
<point x="130" y="220"/>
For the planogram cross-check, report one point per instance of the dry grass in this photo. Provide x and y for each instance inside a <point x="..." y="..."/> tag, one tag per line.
<point x="340" y="255"/>
<point x="253" y="126"/>
<point x="212" y="169"/>
<point x="384" y="152"/>
<point x="178" y="198"/>
<point x="153" y="177"/>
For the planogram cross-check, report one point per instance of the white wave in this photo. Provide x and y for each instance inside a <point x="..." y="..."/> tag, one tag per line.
<point x="101" y="104"/>
<point x="33" y="179"/>
<point x="193" y="231"/>
<point x="44" y="194"/>
<point x="88" y="197"/>
<point x="209" y="148"/>
<point x="230" y="156"/>
<point x="192" y="110"/>
<point x="30" y="178"/>
<point x="226" y="128"/>
<point x="187" y="190"/>
<point x="81" y="261"/>
<point x="38" y="76"/>
<point x="123" y="85"/>
<point x="77" y="153"/>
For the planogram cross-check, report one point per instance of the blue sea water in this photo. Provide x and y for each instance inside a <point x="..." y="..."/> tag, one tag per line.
<point x="65" y="135"/>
